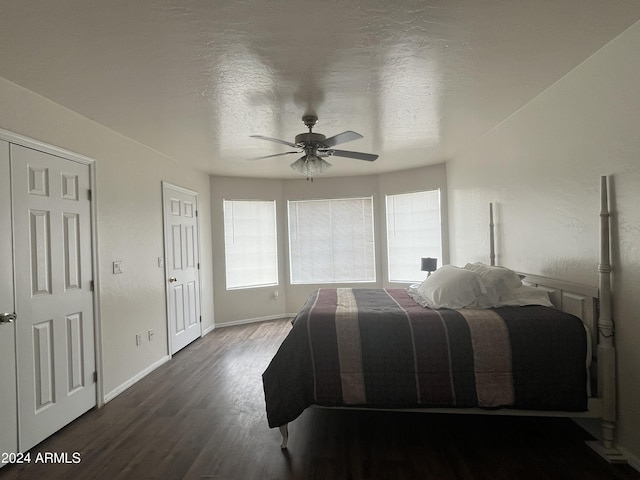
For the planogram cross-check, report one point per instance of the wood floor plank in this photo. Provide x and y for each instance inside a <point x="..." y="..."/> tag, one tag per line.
<point x="202" y="416"/>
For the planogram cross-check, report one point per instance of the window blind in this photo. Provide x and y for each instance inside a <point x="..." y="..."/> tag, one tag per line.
<point x="413" y="232"/>
<point x="331" y="241"/>
<point x="250" y="243"/>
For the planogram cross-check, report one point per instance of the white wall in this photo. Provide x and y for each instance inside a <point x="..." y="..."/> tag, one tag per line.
<point x="129" y="201"/>
<point x="237" y="306"/>
<point x="541" y="167"/>
<point x="251" y="304"/>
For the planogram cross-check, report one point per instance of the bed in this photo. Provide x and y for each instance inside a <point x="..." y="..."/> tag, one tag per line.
<point x="472" y="339"/>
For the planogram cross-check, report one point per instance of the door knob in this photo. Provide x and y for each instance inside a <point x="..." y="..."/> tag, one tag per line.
<point x="173" y="279"/>
<point x="7" y="317"/>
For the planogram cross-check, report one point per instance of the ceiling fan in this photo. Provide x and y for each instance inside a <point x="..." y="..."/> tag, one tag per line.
<point x="315" y="146"/>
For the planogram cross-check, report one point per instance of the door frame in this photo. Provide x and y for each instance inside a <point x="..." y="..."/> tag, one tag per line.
<point x="31" y="143"/>
<point x="165" y="186"/>
<point x="8" y="395"/>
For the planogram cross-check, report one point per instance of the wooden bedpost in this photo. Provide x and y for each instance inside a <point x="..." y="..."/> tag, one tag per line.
<point x="606" y="346"/>
<point x="492" y="246"/>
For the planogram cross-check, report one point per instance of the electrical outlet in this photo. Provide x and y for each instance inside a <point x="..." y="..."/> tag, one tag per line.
<point x="138" y="339"/>
<point x="150" y="334"/>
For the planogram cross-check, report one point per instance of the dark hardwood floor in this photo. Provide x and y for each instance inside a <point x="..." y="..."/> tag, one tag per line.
<point x="201" y="416"/>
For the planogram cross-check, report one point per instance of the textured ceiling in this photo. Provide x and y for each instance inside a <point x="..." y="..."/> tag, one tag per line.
<point x="420" y="80"/>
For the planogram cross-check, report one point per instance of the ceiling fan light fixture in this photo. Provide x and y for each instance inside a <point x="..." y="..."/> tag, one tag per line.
<point x="310" y="166"/>
<point x="316" y="145"/>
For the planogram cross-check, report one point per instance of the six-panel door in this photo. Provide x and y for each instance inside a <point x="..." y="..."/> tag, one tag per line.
<point x="55" y="329"/>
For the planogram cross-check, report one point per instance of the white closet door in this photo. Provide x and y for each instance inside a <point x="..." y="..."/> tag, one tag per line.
<point x="55" y="327"/>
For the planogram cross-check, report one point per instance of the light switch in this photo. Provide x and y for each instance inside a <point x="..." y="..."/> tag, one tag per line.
<point x="118" y="267"/>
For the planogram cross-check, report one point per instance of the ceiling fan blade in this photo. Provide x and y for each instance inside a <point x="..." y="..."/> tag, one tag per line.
<point x="283" y="142"/>
<point x="274" y="155"/>
<point x="343" y="137"/>
<point x="369" y="157"/>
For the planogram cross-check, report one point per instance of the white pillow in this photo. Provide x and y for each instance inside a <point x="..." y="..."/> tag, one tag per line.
<point x="525" y="295"/>
<point x="487" y="300"/>
<point x="451" y="287"/>
<point x="498" y="280"/>
<point x="419" y="299"/>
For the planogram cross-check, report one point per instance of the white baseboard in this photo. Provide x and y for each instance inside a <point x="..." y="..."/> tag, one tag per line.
<point x="591" y="426"/>
<point x="632" y="460"/>
<point x="208" y="329"/>
<point x="254" y="320"/>
<point x="121" y="388"/>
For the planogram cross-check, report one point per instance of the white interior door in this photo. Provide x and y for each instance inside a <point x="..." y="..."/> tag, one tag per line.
<point x="181" y="266"/>
<point x="8" y="392"/>
<point x="54" y="298"/>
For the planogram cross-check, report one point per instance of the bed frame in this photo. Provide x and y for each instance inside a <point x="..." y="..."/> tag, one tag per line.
<point x="593" y="306"/>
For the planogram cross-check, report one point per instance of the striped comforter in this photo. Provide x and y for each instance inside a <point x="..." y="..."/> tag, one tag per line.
<point x="379" y="348"/>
